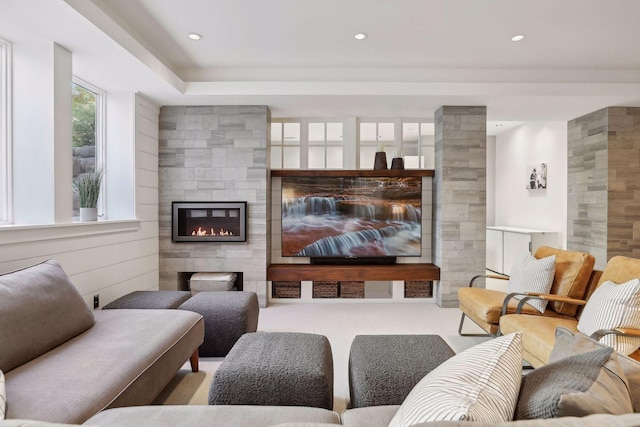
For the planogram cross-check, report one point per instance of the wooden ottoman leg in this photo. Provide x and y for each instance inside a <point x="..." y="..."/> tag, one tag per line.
<point x="194" y="361"/>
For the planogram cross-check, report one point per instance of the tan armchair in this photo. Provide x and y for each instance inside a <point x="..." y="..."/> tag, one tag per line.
<point x="572" y="274"/>
<point x="538" y="333"/>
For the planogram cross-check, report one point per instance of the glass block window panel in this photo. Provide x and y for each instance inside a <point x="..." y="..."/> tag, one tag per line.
<point x="276" y="133"/>
<point x="335" y="157"/>
<point x="368" y="132"/>
<point x="316" y="157"/>
<point x="291" y="133"/>
<point x="316" y="132"/>
<point x="276" y="157"/>
<point x="291" y="157"/>
<point x="335" y="132"/>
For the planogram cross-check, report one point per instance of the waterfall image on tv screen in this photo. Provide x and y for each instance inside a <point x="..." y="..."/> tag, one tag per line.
<point x="351" y="216"/>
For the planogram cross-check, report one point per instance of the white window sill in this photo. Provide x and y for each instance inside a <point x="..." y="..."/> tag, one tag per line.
<point x="10" y="234"/>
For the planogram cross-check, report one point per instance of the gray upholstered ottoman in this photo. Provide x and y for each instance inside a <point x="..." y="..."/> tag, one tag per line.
<point x="227" y="316"/>
<point x="150" y="300"/>
<point x="276" y="369"/>
<point x="384" y="368"/>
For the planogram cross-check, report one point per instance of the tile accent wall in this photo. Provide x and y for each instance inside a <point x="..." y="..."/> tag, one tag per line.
<point x="460" y="194"/>
<point x="603" y="175"/>
<point x="215" y="153"/>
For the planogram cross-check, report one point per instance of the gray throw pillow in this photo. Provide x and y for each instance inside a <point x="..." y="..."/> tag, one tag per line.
<point x="568" y="343"/>
<point x="578" y="385"/>
<point x="39" y="309"/>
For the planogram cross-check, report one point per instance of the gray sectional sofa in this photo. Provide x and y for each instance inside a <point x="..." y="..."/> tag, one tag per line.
<point x="65" y="363"/>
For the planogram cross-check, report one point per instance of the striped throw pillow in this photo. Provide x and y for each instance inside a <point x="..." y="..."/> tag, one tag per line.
<point x="613" y="306"/>
<point x="3" y="397"/>
<point x="529" y="274"/>
<point x="479" y="384"/>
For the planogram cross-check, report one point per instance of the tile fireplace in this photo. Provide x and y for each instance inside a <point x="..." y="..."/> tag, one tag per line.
<point x="209" y="221"/>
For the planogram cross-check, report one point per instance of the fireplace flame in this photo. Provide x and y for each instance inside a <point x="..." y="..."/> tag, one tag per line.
<point x="204" y="232"/>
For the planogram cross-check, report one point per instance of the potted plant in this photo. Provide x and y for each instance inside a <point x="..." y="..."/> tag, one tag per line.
<point x="88" y="187"/>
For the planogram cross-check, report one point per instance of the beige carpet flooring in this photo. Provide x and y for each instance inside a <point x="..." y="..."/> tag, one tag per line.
<point x="340" y="323"/>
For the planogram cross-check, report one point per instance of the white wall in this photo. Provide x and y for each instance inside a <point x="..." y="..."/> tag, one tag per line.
<point x="109" y="258"/>
<point x="515" y="206"/>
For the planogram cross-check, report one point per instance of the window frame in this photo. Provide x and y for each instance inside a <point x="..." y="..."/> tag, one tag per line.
<point x="6" y="134"/>
<point x="101" y="139"/>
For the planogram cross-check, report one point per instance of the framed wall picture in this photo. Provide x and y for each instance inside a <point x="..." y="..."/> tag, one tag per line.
<point x="537" y="176"/>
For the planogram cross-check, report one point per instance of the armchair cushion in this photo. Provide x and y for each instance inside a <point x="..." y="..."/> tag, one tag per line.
<point x="573" y="270"/>
<point x="530" y="274"/>
<point x="614" y="306"/>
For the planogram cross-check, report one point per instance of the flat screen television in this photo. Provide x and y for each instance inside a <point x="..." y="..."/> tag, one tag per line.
<point x="351" y="217"/>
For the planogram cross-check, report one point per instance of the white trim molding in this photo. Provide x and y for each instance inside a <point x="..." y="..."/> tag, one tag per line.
<point x="6" y="167"/>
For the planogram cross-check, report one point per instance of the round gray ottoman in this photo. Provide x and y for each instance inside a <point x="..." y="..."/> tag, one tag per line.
<point x="227" y="316"/>
<point x="383" y="369"/>
<point x="276" y="369"/>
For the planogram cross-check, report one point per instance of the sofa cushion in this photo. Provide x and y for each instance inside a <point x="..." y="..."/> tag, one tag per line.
<point x="39" y="309"/>
<point x="573" y="270"/>
<point x="578" y="385"/>
<point x="530" y="274"/>
<point x="212" y="415"/>
<point x="569" y="343"/>
<point x="614" y="306"/>
<point x="479" y="384"/>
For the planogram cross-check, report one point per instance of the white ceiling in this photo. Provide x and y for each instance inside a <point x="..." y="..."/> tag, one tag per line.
<point x="299" y="57"/>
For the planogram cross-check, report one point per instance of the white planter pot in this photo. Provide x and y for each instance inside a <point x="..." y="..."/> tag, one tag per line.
<point x="88" y="214"/>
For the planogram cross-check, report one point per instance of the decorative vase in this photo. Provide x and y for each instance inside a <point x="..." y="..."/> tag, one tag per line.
<point x="397" y="163"/>
<point x="380" y="162"/>
<point x="88" y="214"/>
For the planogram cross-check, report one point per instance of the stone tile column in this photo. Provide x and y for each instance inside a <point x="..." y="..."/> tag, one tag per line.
<point x="603" y="183"/>
<point x="459" y="221"/>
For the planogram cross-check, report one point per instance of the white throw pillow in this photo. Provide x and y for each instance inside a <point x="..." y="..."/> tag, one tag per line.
<point x="3" y="397"/>
<point x="529" y="274"/>
<point x="613" y="306"/>
<point x="479" y="384"/>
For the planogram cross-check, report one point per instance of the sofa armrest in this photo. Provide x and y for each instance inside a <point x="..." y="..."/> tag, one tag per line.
<point x="488" y="276"/>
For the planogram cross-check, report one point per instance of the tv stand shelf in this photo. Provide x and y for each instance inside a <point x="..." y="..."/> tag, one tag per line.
<point x="299" y="272"/>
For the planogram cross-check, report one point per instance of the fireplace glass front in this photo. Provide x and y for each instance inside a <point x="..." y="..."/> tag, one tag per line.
<point x="209" y="222"/>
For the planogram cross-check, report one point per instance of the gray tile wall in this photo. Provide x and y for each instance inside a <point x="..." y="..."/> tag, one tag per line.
<point x="603" y="177"/>
<point x="215" y="153"/>
<point x="459" y="189"/>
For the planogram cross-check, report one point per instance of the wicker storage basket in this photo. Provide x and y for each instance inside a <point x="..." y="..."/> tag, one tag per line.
<point x="418" y="289"/>
<point x="352" y="289"/>
<point x="285" y="289"/>
<point x="325" y="289"/>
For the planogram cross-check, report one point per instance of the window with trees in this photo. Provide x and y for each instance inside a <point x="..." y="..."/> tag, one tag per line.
<point x="87" y="132"/>
<point x="5" y="132"/>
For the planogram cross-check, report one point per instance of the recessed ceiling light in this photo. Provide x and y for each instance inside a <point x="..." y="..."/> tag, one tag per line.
<point x="360" y="36"/>
<point x="517" y="38"/>
<point x="194" y="36"/>
<point x="499" y="125"/>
